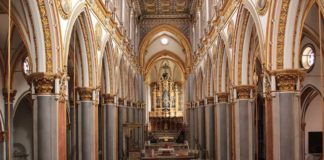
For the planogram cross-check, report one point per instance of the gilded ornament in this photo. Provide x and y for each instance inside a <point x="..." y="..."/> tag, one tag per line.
<point x="230" y="33"/>
<point x="98" y="33"/>
<point x="85" y="93"/>
<point x="64" y="7"/>
<point x="12" y="94"/>
<point x="108" y="98"/>
<point x="43" y="82"/>
<point x="262" y="6"/>
<point x="244" y="91"/>
<point x="287" y="79"/>
<point x="281" y="33"/>
<point x="210" y="100"/>
<point x="222" y="97"/>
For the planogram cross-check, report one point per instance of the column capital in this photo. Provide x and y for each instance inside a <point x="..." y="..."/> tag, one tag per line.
<point x="288" y="79"/>
<point x="108" y="98"/>
<point x="244" y="91"/>
<point x="43" y="82"/>
<point x="201" y="102"/>
<point x="85" y="93"/>
<point x="222" y="97"/>
<point x="2" y="136"/>
<point x="129" y="103"/>
<point x="121" y="101"/>
<point x="12" y="94"/>
<point x="209" y="100"/>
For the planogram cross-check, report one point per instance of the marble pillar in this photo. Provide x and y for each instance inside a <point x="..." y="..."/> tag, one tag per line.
<point x="87" y="124"/>
<point x="196" y="125"/>
<point x="191" y="126"/>
<point x="49" y="119"/>
<point x="244" y="123"/>
<point x="209" y="128"/>
<point x="2" y="144"/>
<point x="122" y="118"/>
<point x="201" y="130"/>
<point x="222" y="127"/>
<point x="111" y="127"/>
<point x="136" y="120"/>
<point x="11" y="143"/>
<point x="283" y="116"/>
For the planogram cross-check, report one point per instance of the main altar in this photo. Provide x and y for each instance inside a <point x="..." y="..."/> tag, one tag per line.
<point x="166" y="110"/>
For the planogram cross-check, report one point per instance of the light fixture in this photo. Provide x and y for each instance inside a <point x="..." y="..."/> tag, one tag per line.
<point x="164" y="41"/>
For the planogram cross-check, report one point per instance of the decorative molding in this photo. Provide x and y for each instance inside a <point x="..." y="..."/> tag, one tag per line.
<point x="281" y="33"/>
<point x="64" y="8"/>
<point x="12" y="95"/>
<point x="85" y="93"/>
<point x="47" y="35"/>
<point x="43" y="82"/>
<point x="108" y="98"/>
<point x="222" y="97"/>
<point x="244" y="91"/>
<point x="262" y="6"/>
<point x="210" y="100"/>
<point x="287" y="79"/>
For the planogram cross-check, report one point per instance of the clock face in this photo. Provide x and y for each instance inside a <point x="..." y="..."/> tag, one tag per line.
<point x="308" y="58"/>
<point x="26" y="66"/>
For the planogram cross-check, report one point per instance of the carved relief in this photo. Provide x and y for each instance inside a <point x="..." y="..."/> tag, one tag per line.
<point x="108" y="98"/>
<point x="85" y="93"/>
<point x="64" y="7"/>
<point x="244" y="91"/>
<point x="43" y="82"/>
<point x="98" y="33"/>
<point x="222" y="97"/>
<point x="12" y="94"/>
<point x="287" y="79"/>
<point x="262" y="6"/>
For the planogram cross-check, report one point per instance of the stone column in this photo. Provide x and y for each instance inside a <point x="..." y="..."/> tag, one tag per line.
<point x="2" y="144"/>
<point x="201" y="129"/>
<point x="191" y="126"/>
<point x="222" y="127"/>
<point x="49" y="119"/>
<point x="283" y="116"/>
<point x="111" y="126"/>
<point x="196" y="125"/>
<point x="136" y="120"/>
<point x="122" y="118"/>
<point x="11" y="143"/>
<point x="140" y="122"/>
<point x="209" y="130"/>
<point x="87" y="124"/>
<point x="243" y="121"/>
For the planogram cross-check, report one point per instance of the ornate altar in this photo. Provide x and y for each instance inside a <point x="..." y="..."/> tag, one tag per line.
<point x="166" y="111"/>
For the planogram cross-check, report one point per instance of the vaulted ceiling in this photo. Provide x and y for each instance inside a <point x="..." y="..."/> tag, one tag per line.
<point x="165" y="8"/>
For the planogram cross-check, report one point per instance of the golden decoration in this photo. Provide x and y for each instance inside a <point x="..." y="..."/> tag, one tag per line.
<point x="230" y="33"/>
<point x="64" y="7"/>
<point x="85" y="93"/>
<point x="287" y="79"/>
<point x="43" y="82"/>
<point x="87" y="45"/>
<point x="108" y="98"/>
<point x="222" y="97"/>
<point x="201" y="102"/>
<point x="12" y="94"/>
<point x="262" y="6"/>
<point x="129" y="103"/>
<point x="240" y="56"/>
<point x="244" y="91"/>
<point x="281" y="33"/>
<point x="47" y="35"/>
<point x="63" y="79"/>
<point x="210" y="100"/>
<point x="98" y="33"/>
<point x="2" y="136"/>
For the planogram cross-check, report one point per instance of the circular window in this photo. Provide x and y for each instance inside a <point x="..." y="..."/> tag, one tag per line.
<point x="308" y="57"/>
<point x="26" y="66"/>
<point x="164" y="41"/>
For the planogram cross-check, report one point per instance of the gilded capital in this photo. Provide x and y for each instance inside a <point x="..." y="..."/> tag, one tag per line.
<point x="121" y="101"/>
<point x="222" y="97"/>
<point x="5" y="94"/>
<point x="108" y="98"/>
<point x="287" y="79"/>
<point x="2" y="136"/>
<point x="129" y="103"/>
<point x="85" y="93"/>
<point x="210" y="100"/>
<point x="244" y="91"/>
<point x="43" y="82"/>
<point x="202" y="102"/>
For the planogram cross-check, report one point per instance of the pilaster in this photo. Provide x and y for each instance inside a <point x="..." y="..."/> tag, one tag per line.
<point x="243" y="122"/>
<point x="283" y="116"/>
<point x="209" y="127"/>
<point x="222" y="127"/>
